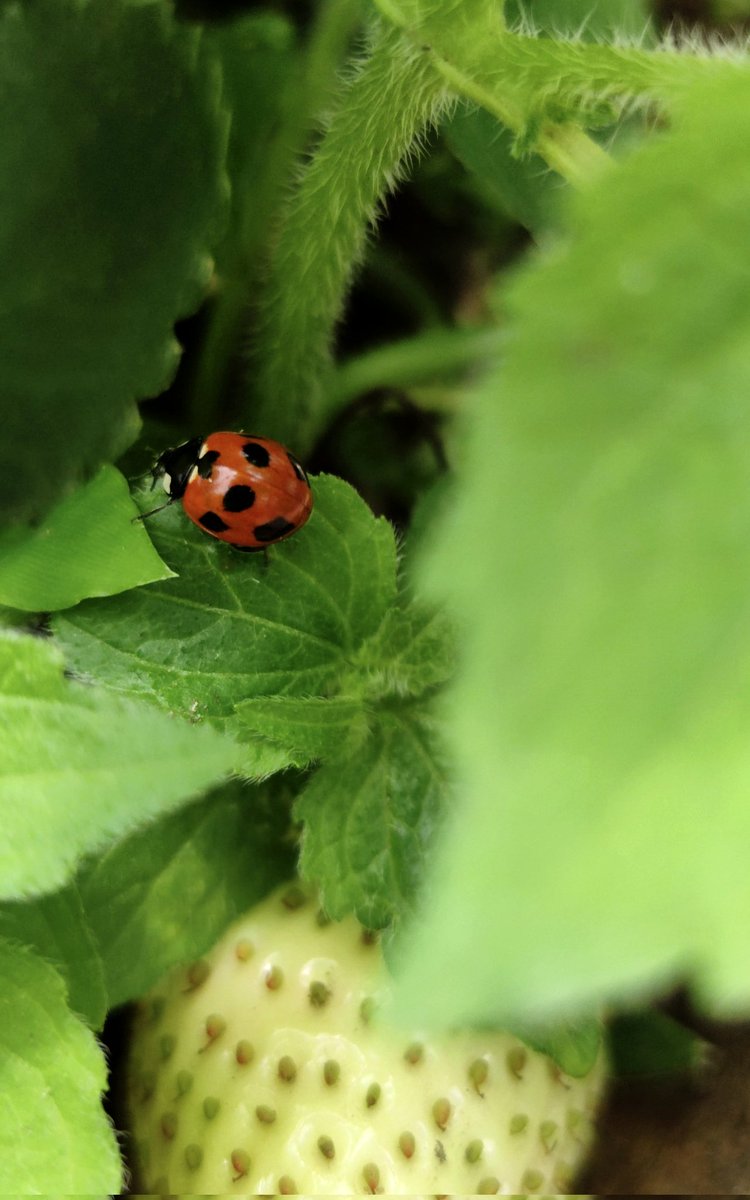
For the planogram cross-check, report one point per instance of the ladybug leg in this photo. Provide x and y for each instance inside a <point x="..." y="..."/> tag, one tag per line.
<point x="264" y="550"/>
<point x="151" y="513"/>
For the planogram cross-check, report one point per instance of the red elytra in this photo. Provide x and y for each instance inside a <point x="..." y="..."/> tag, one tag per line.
<point x="245" y="490"/>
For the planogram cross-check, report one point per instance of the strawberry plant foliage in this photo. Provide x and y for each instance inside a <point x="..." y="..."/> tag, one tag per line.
<point x="88" y="545"/>
<point x="614" y="474"/>
<point x="51" y="1075"/>
<point x="106" y="242"/>
<point x="582" y="824"/>
<point x="55" y="926"/>
<point x="301" y="659"/>
<point x="79" y="767"/>
<point x="589" y="19"/>
<point x="211" y="860"/>
<point x="370" y="823"/>
<point x="229" y="626"/>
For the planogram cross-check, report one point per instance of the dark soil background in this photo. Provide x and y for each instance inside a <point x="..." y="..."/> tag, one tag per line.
<point x="682" y="1137"/>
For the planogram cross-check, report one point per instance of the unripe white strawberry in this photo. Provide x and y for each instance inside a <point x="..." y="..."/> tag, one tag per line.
<point x="263" y="1069"/>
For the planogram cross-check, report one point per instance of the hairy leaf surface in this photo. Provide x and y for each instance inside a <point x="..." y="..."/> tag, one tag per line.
<point x="311" y="727"/>
<point x="370" y="822"/>
<point x="79" y="767"/>
<point x="54" y="1136"/>
<point x="55" y="927"/>
<point x="165" y="894"/>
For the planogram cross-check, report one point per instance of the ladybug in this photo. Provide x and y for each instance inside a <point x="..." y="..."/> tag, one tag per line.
<point x="242" y="489"/>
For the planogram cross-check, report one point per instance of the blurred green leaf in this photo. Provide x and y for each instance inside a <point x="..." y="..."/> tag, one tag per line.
<point x="54" y="1137"/>
<point x="260" y="63"/>
<point x="79" y="767"/>
<point x="55" y="927"/>
<point x="602" y="713"/>
<point x="109" y="205"/>
<point x="574" y="1047"/>
<point x="88" y="545"/>
<point x="370" y="821"/>
<point x="585" y="18"/>
<point x="165" y="894"/>
<point x="648" y="1044"/>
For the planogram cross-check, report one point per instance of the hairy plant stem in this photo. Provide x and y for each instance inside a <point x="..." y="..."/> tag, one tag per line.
<point x="386" y="107"/>
<point x="565" y="147"/>
<point x="307" y="92"/>
<point x="575" y="76"/>
<point x="543" y="90"/>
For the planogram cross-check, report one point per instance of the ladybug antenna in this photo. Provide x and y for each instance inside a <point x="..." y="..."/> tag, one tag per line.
<point x="151" y="512"/>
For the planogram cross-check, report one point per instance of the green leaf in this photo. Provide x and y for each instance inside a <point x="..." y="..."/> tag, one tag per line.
<point x="311" y="727"/>
<point x="574" y="1047"/>
<point x="370" y="822"/>
<point x="547" y="90"/>
<point x="79" y="767"/>
<point x="165" y="894"/>
<point x="413" y="652"/>
<point x="259" y="58"/>
<point x="603" y="710"/>
<point x="53" y="1133"/>
<point x="647" y="1044"/>
<point x="55" y="926"/>
<point x="113" y="123"/>
<point x="520" y="187"/>
<point x="87" y="546"/>
<point x="586" y="18"/>
<point x="230" y="626"/>
<point x="260" y="63"/>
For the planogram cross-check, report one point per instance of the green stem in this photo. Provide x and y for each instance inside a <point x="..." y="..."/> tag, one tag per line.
<point x="541" y="88"/>
<point x="210" y="381"/>
<point x="571" y="152"/>
<point x="384" y="110"/>
<point x="258" y="200"/>
<point x="466" y="43"/>
<point x="577" y="75"/>
<point x="566" y="148"/>
<point x="414" y="360"/>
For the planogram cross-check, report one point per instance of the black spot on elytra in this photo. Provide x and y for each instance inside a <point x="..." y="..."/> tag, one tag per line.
<point x="279" y="527"/>
<point x="238" y="498"/>
<point x="256" y="454"/>
<point x="296" y="467"/>
<point x="213" y="522"/>
<point x="206" y="463"/>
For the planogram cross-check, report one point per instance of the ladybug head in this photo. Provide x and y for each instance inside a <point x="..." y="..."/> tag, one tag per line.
<point x="174" y="467"/>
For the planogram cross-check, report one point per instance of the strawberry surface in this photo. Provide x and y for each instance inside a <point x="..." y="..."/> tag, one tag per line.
<point x="263" y="1068"/>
